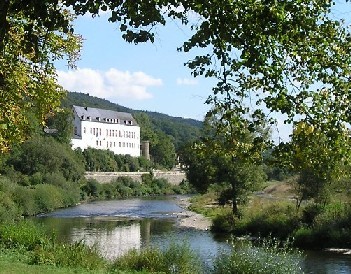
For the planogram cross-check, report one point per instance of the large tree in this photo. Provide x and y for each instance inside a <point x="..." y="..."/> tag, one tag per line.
<point x="33" y="35"/>
<point x="230" y="153"/>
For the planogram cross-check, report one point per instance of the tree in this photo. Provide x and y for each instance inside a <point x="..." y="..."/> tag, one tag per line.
<point x="33" y="34"/>
<point x="61" y="123"/>
<point x="45" y="155"/>
<point x="227" y="154"/>
<point x="316" y="158"/>
<point x="289" y="57"/>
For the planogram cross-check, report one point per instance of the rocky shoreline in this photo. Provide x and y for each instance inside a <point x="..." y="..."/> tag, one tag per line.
<point x="190" y="219"/>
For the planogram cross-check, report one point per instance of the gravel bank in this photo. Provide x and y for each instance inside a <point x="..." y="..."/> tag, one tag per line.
<point x="190" y="219"/>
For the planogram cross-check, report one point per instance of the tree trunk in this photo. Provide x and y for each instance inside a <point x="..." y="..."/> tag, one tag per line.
<point x="235" y="208"/>
<point x="4" y="7"/>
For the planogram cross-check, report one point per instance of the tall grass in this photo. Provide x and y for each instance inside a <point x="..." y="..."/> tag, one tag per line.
<point x="44" y="249"/>
<point x="176" y="258"/>
<point x="271" y="256"/>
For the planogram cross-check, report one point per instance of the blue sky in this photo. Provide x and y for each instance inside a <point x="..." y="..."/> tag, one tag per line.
<point x="146" y="76"/>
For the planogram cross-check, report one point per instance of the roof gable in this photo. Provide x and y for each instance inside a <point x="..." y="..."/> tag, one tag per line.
<point x="104" y="115"/>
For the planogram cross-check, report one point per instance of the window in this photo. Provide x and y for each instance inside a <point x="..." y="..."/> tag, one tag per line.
<point x="100" y="143"/>
<point x="93" y="131"/>
<point x="75" y="130"/>
<point x="113" y="133"/>
<point x="110" y="144"/>
<point x="97" y="143"/>
<point x="84" y="130"/>
<point x="114" y="144"/>
<point x="100" y="131"/>
<point x="106" y="132"/>
<point x="120" y="144"/>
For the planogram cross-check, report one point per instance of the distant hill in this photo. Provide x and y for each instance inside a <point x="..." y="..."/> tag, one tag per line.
<point x="181" y="130"/>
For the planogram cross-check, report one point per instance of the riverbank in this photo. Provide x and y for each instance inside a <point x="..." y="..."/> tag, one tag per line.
<point x="191" y="219"/>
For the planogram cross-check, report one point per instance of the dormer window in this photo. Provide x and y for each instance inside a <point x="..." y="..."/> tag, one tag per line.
<point x="98" y="118"/>
<point x="82" y="117"/>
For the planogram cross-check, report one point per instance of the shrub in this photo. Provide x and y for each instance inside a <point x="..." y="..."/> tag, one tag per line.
<point x="47" y="198"/>
<point x="277" y="218"/>
<point x="75" y="255"/>
<point x="22" y="234"/>
<point x="304" y="237"/>
<point x="224" y="222"/>
<point x="8" y="208"/>
<point x="176" y="258"/>
<point x="91" y="188"/>
<point x="24" y="198"/>
<point x="270" y="257"/>
<point x="310" y="212"/>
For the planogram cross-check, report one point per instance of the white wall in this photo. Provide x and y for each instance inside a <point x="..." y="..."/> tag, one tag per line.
<point x="119" y="138"/>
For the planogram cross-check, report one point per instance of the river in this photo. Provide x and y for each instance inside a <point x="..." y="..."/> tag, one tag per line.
<point x="117" y="226"/>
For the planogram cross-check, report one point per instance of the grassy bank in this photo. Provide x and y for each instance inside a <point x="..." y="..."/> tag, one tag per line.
<point x="26" y="248"/>
<point x="273" y="212"/>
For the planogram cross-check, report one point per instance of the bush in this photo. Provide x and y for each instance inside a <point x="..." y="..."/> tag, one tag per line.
<point x="75" y="255"/>
<point x="278" y="219"/>
<point x="330" y="228"/>
<point x="91" y="188"/>
<point x="22" y="234"/>
<point x="177" y="258"/>
<point x="310" y="212"/>
<point x="270" y="257"/>
<point x="24" y="198"/>
<point x="8" y="208"/>
<point x="47" y="198"/>
<point x="224" y="222"/>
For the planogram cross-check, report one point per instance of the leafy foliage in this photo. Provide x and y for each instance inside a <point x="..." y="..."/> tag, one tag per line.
<point x="228" y="154"/>
<point x="32" y="36"/>
<point x="45" y="155"/>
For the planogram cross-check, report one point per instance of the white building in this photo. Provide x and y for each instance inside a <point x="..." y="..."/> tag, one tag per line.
<point x="106" y="129"/>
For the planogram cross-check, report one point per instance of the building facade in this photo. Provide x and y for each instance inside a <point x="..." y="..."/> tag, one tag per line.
<point x="106" y="129"/>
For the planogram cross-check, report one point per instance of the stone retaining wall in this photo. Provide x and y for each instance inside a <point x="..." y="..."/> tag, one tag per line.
<point x="173" y="177"/>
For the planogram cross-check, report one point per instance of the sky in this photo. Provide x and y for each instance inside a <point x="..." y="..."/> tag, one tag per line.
<point x="147" y="76"/>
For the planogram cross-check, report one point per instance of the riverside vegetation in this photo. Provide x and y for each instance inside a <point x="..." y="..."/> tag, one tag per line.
<point x="28" y="248"/>
<point x="42" y="174"/>
<point x="273" y="212"/>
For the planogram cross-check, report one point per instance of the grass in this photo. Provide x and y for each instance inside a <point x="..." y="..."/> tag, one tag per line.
<point x="25" y="248"/>
<point x="273" y="211"/>
<point x="270" y="256"/>
<point x="17" y="261"/>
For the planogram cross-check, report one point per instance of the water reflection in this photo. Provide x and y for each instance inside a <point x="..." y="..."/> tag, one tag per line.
<point x="115" y="227"/>
<point x="112" y="236"/>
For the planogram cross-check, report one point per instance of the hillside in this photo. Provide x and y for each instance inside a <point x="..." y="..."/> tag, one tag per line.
<point x="181" y="130"/>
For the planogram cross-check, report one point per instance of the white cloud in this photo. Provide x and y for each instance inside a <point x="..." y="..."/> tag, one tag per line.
<point x="186" y="81"/>
<point x="112" y="84"/>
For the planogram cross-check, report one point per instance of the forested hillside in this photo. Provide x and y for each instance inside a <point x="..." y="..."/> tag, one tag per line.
<point x="179" y="129"/>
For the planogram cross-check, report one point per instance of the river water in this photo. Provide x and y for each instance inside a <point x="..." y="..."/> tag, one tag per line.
<point x="117" y="226"/>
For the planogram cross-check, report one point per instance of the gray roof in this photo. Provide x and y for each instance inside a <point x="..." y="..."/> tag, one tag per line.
<point x="104" y="115"/>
